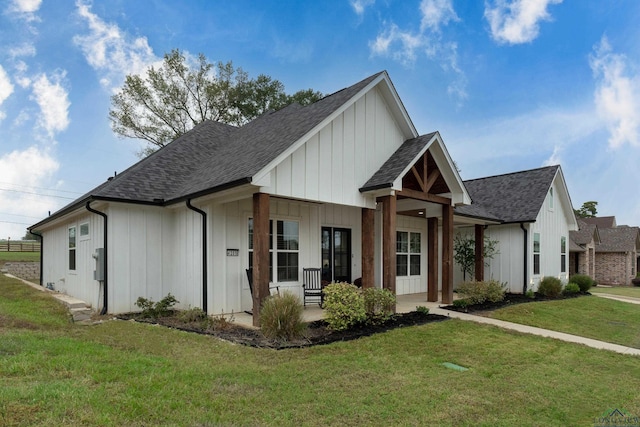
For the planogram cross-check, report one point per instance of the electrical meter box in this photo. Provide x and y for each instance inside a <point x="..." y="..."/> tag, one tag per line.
<point x="98" y="273"/>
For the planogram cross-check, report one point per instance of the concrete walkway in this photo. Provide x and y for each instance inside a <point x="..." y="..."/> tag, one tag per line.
<point x="539" y="331"/>
<point x="622" y="298"/>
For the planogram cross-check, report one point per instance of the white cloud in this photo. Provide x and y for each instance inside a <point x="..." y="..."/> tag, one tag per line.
<point x="26" y="6"/>
<point x="15" y="199"/>
<point x="517" y="21"/>
<point x="25" y="49"/>
<point x="110" y="51"/>
<point x="405" y="46"/>
<point x="436" y="13"/>
<point x="6" y="89"/>
<point x="617" y="94"/>
<point x="360" y="5"/>
<point x="53" y="101"/>
<point x="25" y="9"/>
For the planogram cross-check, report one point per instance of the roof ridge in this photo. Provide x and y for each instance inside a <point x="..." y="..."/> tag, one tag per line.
<point x="513" y="173"/>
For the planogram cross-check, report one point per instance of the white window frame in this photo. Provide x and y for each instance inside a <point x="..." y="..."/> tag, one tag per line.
<point x="274" y="250"/>
<point x="410" y="253"/>
<point x="536" y="253"/>
<point x="72" y="248"/>
<point x="86" y="236"/>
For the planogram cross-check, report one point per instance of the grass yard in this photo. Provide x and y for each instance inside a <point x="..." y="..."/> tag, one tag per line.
<point x="633" y="292"/>
<point x="590" y="316"/>
<point x="123" y="373"/>
<point x="19" y="257"/>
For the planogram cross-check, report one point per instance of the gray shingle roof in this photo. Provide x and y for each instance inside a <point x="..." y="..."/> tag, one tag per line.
<point x="213" y="156"/>
<point x="393" y="167"/>
<point x="601" y="221"/>
<point x="618" y="239"/>
<point x="585" y="234"/>
<point x="513" y="197"/>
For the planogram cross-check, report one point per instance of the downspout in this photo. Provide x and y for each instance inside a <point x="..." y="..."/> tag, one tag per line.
<point x="204" y="253"/>
<point x="526" y="258"/>
<point x="106" y="252"/>
<point x="41" y="250"/>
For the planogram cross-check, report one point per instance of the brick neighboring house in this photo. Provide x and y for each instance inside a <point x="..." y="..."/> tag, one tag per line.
<point x="582" y="249"/>
<point x="616" y="256"/>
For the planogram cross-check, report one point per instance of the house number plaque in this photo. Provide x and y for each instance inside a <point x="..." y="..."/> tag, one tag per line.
<point x="233" y="252"/>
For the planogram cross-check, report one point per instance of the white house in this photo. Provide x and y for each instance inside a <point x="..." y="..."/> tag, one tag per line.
<point x="535" y="217"/>
<point x="346" y="184"/>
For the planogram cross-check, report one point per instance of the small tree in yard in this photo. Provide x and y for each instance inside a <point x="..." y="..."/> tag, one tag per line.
<point x="464" y="252"/>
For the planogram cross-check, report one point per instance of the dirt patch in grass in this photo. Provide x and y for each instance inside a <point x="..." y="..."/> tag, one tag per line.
<point x="317" y="332"/>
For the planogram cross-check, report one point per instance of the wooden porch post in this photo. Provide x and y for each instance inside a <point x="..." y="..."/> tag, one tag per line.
<point x="368" y="243"/>
<point x="479" y="272"/>
<point x="389" y="243"/>
<point x="447" y="254"/>
<point x="260" y="253"/>
<point x="432" y="263"/>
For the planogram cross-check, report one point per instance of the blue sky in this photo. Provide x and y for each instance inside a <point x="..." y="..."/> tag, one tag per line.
<point x="510" y="85"/>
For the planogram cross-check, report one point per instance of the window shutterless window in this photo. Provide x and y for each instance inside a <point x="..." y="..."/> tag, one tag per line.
<point x="286" y="244"/>
<point x="72" y="248"/>
<point x="408" y="256"/>
<point x="563" y="254"/>
<point x="536" y="253"/>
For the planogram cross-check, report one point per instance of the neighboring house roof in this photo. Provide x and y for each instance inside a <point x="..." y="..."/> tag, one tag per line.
<point x="601" y="221"/>
<point x="585" y="234"/>
<point x="619" y="239"/>
<point x="513" y="197"/>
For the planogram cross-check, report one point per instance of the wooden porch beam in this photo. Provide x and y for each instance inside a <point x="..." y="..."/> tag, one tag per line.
<point x="427" y="197"/>
<point x="389" y="243"/>
<point x="432" y="262"/>
<point x="418" y="178"/>
<point x="368" y="246"/>
<point x="260" y="253"/>
<point x="447" y="254"/>
<point x="431" y="179"/>
<point x="479" y="258"/>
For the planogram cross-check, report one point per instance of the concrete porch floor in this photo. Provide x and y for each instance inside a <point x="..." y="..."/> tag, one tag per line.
<point x="404" y="304"/>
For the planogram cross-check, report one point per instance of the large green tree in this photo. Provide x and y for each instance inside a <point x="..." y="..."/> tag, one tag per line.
<point x="182" y="92"/>
<point x="588" y="210"/>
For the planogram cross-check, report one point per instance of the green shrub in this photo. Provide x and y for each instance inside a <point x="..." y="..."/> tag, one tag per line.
<point x="344" y="306"/>
<point x="571" y="289"/>
<point x="461" y="303"/>
<point x="479" y="292"/>
<point x="583" y="281"/>
<point x="550" y="287"/>
<point x="152" y="310"/>
<point x="193" y="315"/>
<point x="422" y="309"/>
<point x="220" y="322"/>
<point x="281" y="317"/>
<point x="530" y="293"/>
<point x="379" y="304"/>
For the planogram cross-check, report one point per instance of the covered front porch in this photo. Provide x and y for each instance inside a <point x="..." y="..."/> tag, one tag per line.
<point x="404" y="304"/>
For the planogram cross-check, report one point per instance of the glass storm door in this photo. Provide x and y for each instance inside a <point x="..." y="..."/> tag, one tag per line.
<point x="336" y="254"/>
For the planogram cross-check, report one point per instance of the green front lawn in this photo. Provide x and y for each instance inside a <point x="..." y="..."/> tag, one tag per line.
<point x="19" y="257"/>
<point x="123" y="373"/>
<point x="633" y="292"/>
<point x="588" y="316"/>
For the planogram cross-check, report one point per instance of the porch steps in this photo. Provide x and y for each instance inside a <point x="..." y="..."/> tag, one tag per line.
<point x="80" y="311"/>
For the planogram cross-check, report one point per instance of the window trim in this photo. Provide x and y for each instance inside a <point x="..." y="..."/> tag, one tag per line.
<point x="563" y="254"/>
<point x="72" y="249"/>
<point x="536" y="254"/>
<point x="409" y="254"/>
<point x="84" y="236"/>
<point x="274" y="251"/>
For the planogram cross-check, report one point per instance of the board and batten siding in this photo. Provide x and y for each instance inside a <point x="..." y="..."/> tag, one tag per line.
<point x="146" y="249"/>
<point x="78" y="283"/>
<point x="335" y="162"/>
<point x="551" y="223"/>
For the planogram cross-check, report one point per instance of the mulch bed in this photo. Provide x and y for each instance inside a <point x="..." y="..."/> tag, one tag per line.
<point x="509" y="299"/>
<point x="317" y="332"/>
